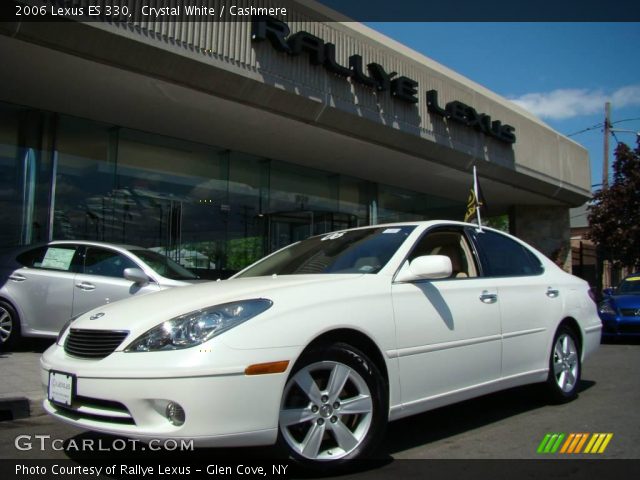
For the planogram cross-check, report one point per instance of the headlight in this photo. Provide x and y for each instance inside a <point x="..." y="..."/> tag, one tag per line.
<point x="606" y="309"/>
<point x="197" y="327"/>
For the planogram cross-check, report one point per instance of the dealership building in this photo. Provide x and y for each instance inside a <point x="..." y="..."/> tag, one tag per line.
<point x="218" y="142"/>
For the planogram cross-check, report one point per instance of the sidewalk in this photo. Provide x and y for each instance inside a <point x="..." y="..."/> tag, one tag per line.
<point x="21" y="393"/>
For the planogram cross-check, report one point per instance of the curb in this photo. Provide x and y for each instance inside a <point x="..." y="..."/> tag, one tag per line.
<point x="20" y="407"/>
<point x="14" y="408"/>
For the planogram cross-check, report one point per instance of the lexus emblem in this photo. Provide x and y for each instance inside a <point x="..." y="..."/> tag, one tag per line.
<point x="96" y="316"/>
<point x="638" y="312"/>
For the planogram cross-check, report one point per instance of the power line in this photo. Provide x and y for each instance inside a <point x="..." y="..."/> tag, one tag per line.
<point x="600" y="125"/>
<point x="625" y="120"/>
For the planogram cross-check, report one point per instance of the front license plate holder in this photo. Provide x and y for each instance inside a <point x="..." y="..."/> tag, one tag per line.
<point x="61" y="388"/>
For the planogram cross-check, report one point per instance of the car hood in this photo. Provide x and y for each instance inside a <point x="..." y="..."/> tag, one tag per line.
<point x="626" y="301"/>
<point x="139" y="314"/>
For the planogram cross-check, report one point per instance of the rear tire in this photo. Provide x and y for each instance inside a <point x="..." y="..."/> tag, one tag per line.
<point x="334" y="407"/>
<point x="9" y="326"/>
<point x="565" y="366"/>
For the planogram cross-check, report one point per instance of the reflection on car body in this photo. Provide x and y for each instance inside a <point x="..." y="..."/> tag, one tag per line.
<point x="43" y="286"/>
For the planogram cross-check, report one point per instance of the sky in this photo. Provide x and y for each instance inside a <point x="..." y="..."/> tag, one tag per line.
<point x="562" y="72"/>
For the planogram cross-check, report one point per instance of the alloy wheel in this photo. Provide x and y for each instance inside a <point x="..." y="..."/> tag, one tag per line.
<point x="326" y="411"/>
<point x="565" y="363"/>
<point x="6" y="325"/>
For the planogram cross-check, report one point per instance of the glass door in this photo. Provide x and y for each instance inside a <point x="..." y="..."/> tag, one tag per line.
<point x="285" y="228"/>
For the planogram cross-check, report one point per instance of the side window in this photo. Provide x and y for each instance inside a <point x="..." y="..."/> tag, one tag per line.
<point x="54" y="257"/>
<point x="451" y="244"/>
<point x="31" y="257"/>
<point x="99" y="261"/>
<point x="503" y="257"/>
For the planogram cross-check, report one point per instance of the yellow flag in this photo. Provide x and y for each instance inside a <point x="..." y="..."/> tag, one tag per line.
<point x="472" y="204"/>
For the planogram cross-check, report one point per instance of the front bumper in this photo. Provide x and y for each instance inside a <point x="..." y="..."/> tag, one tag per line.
<point x="223" y="407"/>
<point x="618" y="326"/>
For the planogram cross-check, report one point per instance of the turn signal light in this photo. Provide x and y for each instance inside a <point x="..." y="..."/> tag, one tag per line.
<point x="266" y="368"/>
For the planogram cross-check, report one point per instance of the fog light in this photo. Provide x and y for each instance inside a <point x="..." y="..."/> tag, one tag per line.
<point x="175" y="414"/>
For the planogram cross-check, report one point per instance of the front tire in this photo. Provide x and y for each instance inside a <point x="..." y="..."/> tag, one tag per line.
<point x="334" y="407"/>
<point x="9" y="326"/>
<point x="565" y="366"/>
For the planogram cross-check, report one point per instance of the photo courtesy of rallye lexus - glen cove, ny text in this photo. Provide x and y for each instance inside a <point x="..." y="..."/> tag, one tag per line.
<point x="352" y="295"/>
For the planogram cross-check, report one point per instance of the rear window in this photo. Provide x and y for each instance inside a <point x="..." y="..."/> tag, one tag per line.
<point x="503" y="257"/>
<point x="54" y="257"/>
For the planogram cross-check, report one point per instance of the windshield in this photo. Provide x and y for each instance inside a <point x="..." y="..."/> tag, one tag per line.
<point x="164" y="265"/>
<point x="630" y="285"/>
<point x="354" y="251"/>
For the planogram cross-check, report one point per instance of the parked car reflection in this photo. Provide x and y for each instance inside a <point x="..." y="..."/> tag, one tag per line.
<point x="43" y="286"/>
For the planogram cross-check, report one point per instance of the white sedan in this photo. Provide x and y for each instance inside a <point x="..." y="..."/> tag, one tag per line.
<point x="317" y="346"/>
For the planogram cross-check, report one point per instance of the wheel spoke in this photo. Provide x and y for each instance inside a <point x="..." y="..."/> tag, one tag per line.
<point x="345" y="439"/>
<point x="360" y="404"/>
<point x="312" y="440"/>
<point x="562" y="380"/>
<point x="5" y="325"/>
<point x="293" y="416"/>
<point x="337" y="380"/>
<point x="570" y="378"/>
<point x="558" y="350"/>
<point x="565" y="345"/>
<point x="308" y="385"/>
<point x="558" y="367"/>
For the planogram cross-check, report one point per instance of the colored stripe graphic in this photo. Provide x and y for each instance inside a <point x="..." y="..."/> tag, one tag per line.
<point x="574" y="443"/>
<point x="550" y="443"/>
<point x="598" y="442"/>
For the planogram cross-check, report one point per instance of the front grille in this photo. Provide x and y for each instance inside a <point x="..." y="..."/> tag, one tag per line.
<point x="93" y="343"/>
<point x="630" y="312"/>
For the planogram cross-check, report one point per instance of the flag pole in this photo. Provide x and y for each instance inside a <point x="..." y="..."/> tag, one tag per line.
<point x="476" y="193"/>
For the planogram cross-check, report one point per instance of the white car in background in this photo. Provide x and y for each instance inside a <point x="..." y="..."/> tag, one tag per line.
<point x="317" y="346"/>
<point x="43" y="286"/>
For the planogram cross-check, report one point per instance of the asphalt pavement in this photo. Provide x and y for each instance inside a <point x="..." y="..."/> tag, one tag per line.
<point x="505" y="425"/>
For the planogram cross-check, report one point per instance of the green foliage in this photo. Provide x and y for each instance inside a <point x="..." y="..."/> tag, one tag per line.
<point x="614" y="215"/>
<point x="501" y="222"/>
<point x="242" y="252"/>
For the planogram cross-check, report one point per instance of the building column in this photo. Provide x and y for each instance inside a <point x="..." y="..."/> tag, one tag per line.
<point x="545" y="228"/>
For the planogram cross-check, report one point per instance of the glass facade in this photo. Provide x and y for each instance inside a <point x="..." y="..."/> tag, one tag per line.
<point x="212" y="210"/>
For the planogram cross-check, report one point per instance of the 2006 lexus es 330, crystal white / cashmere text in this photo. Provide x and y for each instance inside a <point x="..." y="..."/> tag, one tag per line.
<point x="317" y="346"/>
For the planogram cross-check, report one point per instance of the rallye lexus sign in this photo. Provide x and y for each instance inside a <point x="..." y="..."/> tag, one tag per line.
<point x="401" y="88"/>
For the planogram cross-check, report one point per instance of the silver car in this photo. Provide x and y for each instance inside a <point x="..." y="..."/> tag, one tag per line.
<point x="41" y="287"/>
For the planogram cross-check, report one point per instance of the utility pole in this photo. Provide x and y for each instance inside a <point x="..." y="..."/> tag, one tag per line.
<point x="605" y="272"/>
<point x="607" y="132"/>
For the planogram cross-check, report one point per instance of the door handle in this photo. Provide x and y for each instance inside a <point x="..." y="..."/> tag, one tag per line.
<point x="552" y="292"/>
<point x="86" y="286"/>
<point x="16" y="277"/>
<point x="488" y="298"/>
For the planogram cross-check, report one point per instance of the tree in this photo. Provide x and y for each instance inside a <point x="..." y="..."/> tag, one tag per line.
<point x="614" y="215"/>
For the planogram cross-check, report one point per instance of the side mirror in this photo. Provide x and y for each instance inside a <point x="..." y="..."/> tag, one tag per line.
<point x="136" y="276"/>
<point x="426" y="267"/>
<point x="607" y="292"/>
